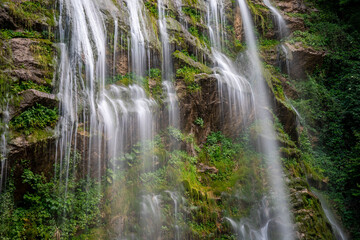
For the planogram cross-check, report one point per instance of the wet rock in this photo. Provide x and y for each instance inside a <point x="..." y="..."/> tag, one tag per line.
<point x="27" y="67"/>
<point x="31" y="97"/>
<point x="181" y="38"/>
<point x="238" y="25"/>
<point x="189" y="61"/>
<point x="320" y="184"/>
<point x="303" y="59"/>
<point x="288" y="119"/>
<point x="202" y="168"/>
<point x="294" y="24"/>
<point x="203" y="104"/>
<point x="310" y="220"/>
<point x="6" y="20"/>
<point x="39" y="156"/>
<point x="293" y="6"/>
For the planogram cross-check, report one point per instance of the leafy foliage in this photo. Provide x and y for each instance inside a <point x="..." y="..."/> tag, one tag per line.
<point x="37" y="117"/>
<point x="329" y="104"/>
<point x="50" y="209"/>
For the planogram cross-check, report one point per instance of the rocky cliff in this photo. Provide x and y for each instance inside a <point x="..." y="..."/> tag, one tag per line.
<point x="213" y="184"/>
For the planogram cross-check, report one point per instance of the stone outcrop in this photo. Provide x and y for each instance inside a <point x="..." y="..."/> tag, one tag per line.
<point x="30" y="98"/>
<point x="6" y="20"/>
<point x="292" y="6"/>
<point x="310" y="220"/>
<point x="303" y="59"/>
<point x="38" y="154"/>
<point x="202" y="104"/>
<point x="238" y="25"/>
<point x="27" y="66"/>
<point x="202" y="168"/>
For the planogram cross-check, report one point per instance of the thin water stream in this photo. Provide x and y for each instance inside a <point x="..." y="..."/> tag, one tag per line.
<point x="4" y="130"/>
<point x="337" y="228"/>
<point x="167" y="69"/>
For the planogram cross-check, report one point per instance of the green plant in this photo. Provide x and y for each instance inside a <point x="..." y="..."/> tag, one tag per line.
<point x="199" y="121"/>
<point x="24" y="85"/>
<point x="36" y="117"/>
<point x="62" y="206"/>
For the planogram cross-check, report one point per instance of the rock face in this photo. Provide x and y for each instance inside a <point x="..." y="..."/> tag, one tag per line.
<point x="39" y="157"/>
<point x="202" y="104"/>
<point x="292" y="6"/>
<point x="27" y="67"/>
<point x="31" y="97"/>
<point x="238" y="25"/>
<point x="311" y="222"/>
<point x="303" y="60"/>
<point x="6" y="20"/>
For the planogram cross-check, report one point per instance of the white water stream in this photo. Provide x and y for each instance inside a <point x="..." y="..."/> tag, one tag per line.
<point x="337" y="229"/>
<point x="233" y="87"/>
<point x="4" y="130"/>
<point x="268" y="142"/>
<point x="167" y="69"/>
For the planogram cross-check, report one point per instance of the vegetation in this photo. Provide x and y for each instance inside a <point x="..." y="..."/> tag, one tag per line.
<point x="49" y="209"/>
<point x="329" y="103"/>
<point x="32" y="12"/>
<point x="35" y="118"/>
<point x="217" y="178"/>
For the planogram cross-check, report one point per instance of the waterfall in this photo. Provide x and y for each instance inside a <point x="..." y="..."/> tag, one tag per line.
<point x="167" y="69"/>
<point x="280" y="22"/>
<point x="81" y="75"/>
<point x="175" y="197"/>
<point x="3" y="144"/>
<point x="283" y="32"/>
<point x="138" y="35"/>
<point x="233" y="87"/>
<point x="151" y="216"/>
<point x="337" y="229"/>
<point x="268" y="142"/>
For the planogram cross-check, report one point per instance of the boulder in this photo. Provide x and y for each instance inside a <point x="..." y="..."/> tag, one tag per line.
<point x="303" y="59"/>
<point x="202" y="168"/>
<point x="293" y="6"/>
<point x="31" y="97"/>
<point x="6" y="20"/>
<point x="27" y="67"/>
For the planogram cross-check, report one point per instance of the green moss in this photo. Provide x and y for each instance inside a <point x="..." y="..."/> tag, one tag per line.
<point x="193" y="13"/>
<point x="32" y="12"/>
<point x="261" y="16"/>
<point x="152" y="8"/>
<point x="186" y="59"/>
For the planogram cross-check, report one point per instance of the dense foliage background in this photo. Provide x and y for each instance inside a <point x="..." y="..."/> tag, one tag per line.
<point x="331" y="103"/>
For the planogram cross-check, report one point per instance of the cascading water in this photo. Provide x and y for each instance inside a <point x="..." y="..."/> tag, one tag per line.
<point x="111" y="118"/>
<point x="151" y="216"/>
<point x="139" y="33"/>
<point x="167" y="69"/>
<point x="3" y="145"/>
<point x="283" y="32"/>
<point x="268" y="143"/>
<point x="261" y="225"/>
<point x="280" y="22"/>
<point x="233" y="87"/>
<point x="175" y="197"/>
<point x="337" y="229"/>
<point x="81" y="74"/>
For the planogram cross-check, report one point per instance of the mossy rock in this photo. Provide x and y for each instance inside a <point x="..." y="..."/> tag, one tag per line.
<point x="189" y="61"/>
